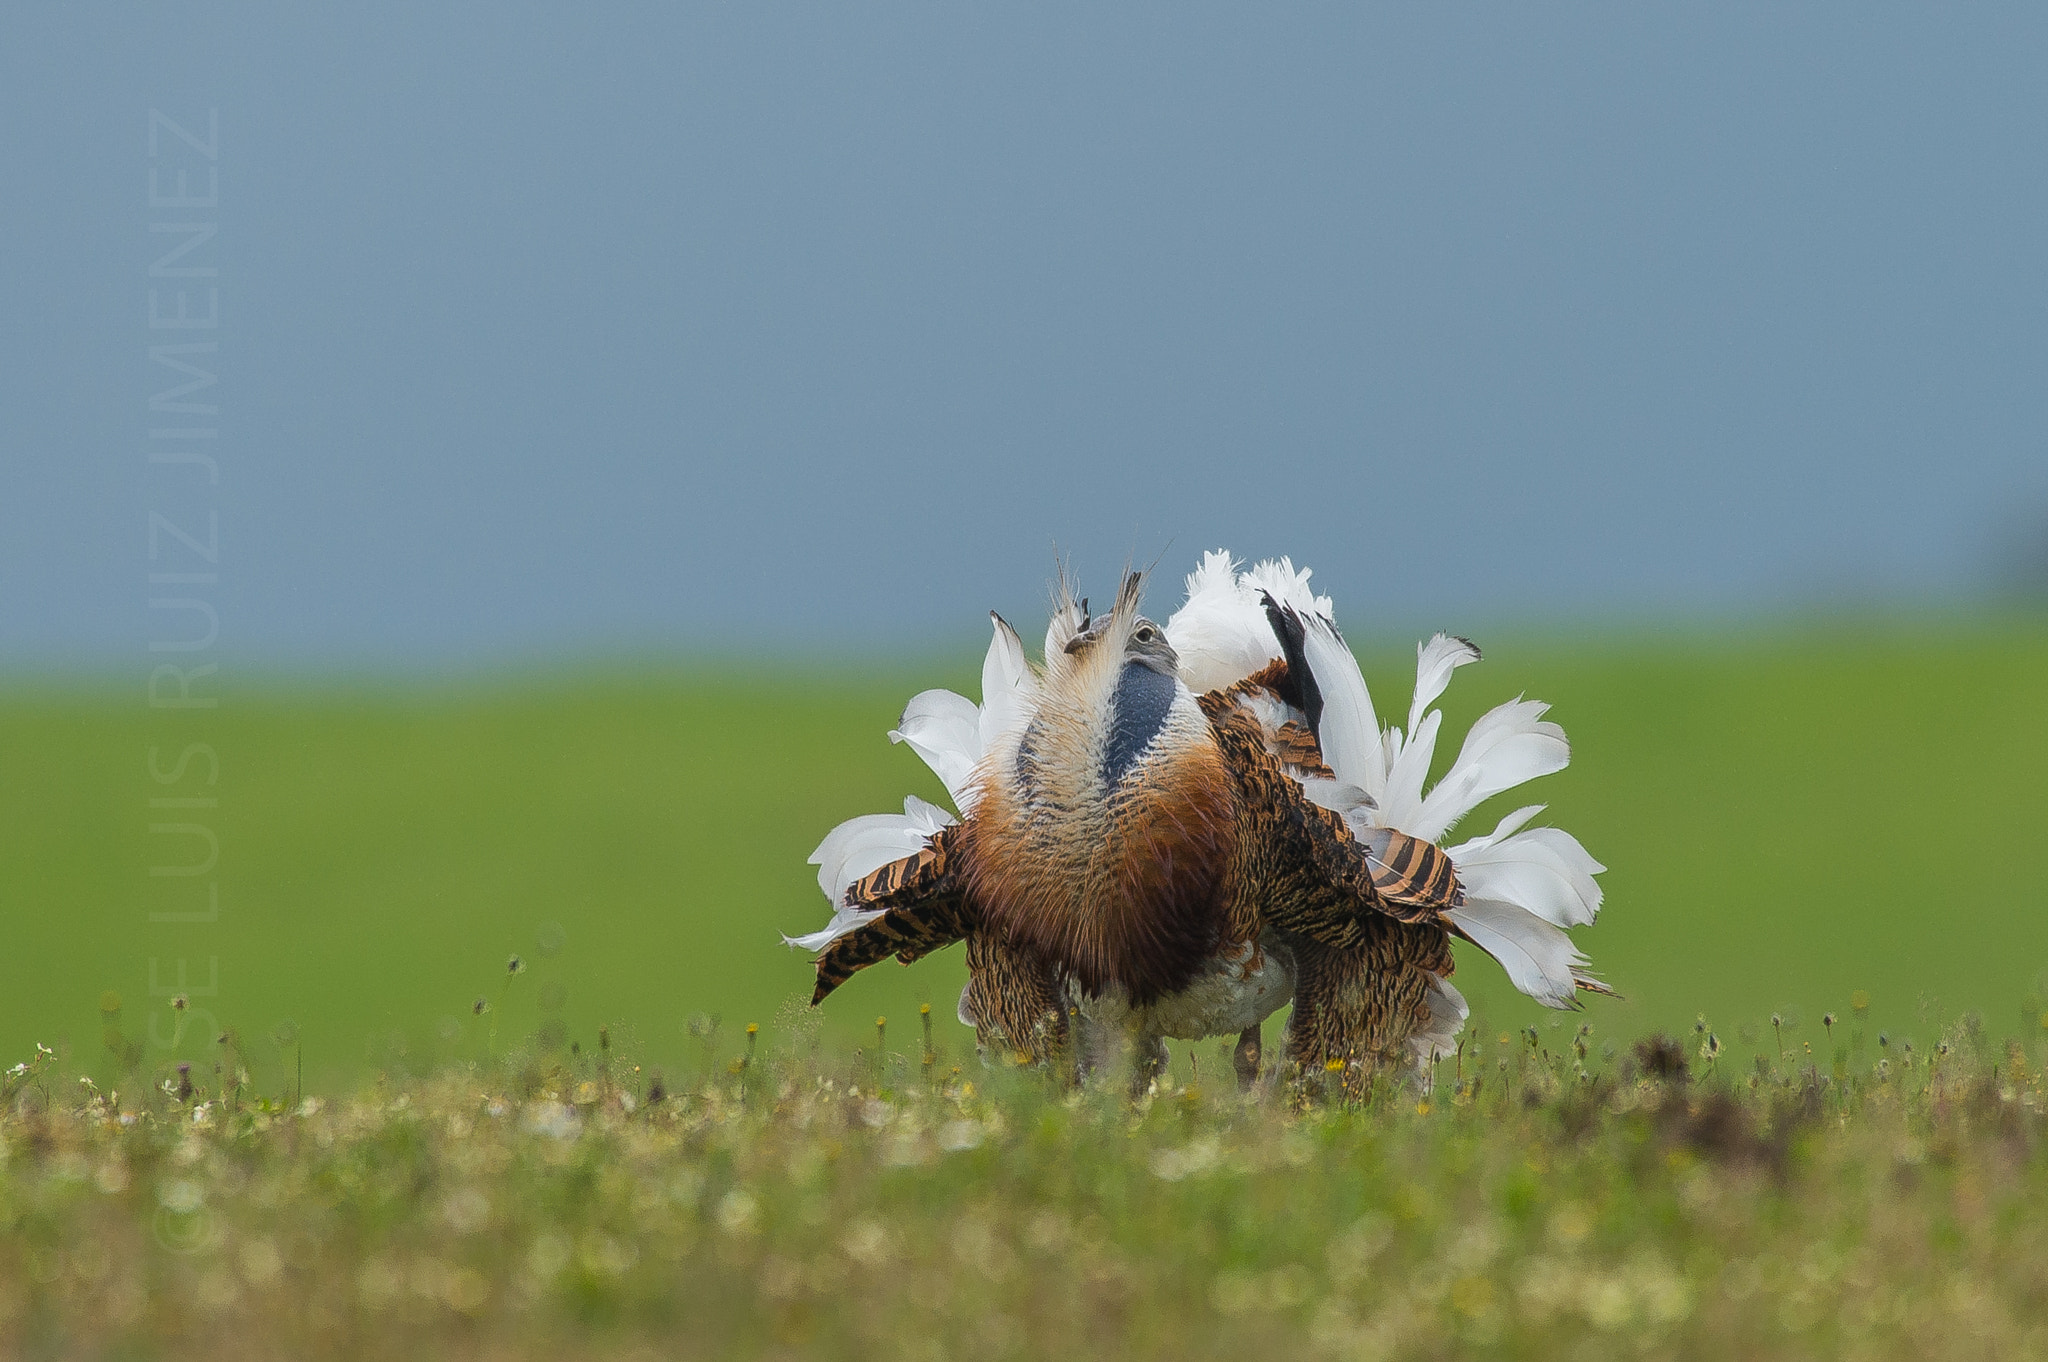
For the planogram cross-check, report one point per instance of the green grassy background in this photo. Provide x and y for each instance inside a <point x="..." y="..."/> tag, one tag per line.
<point x="1788" y="816"/>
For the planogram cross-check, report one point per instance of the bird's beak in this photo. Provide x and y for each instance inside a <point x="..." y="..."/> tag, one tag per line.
<point x="1081" y="640"/>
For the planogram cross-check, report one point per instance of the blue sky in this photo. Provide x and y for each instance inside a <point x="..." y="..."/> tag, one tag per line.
<point x="560" y="332"/>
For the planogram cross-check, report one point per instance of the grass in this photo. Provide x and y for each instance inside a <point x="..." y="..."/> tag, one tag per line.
<point x="1790" y="818"/>
<point x="390" y="1139"/>
<point x="792" y="1199"/>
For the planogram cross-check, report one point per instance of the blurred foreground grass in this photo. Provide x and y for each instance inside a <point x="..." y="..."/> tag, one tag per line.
<point x="1790" y="817"/>
<point x="786" y="1199"/>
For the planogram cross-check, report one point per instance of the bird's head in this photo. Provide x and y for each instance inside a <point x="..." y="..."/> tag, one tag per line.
<point x="1079" y="644"/>
<point x="1146" y="645"/>
<point x="1112" y="684"/>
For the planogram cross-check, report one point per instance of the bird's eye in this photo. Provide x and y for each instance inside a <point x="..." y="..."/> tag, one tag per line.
<point x="1144" y="636"/>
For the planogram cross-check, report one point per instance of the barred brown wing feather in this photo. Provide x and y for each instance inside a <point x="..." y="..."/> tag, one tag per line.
<point x="1315" y="877"/>
<point x="908" y="932"/>
<point x="1361" y="1005"/>
<point x="1296" y="867"/>
<point x="923" y="906"/>
<point x="919" y="868"/>
<point x="1291" y="741"/>
<point x="1361" y="912"/>
<point x="1294" y="745"/>
<point x="1409" y="872"/>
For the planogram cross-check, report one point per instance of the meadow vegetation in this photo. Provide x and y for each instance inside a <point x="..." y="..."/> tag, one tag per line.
<point x="1551" y="1197"/>
<point x="1814" y="1126"/>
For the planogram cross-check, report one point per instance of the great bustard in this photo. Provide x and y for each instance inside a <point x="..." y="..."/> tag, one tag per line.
<point x="1172" y="832"/>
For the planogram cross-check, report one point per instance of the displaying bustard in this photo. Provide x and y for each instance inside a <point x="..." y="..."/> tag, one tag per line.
<point x="1171" y="832"/>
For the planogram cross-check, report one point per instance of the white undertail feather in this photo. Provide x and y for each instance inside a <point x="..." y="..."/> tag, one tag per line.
<point x="945" y="730"/>
<point x="1287" y="584"/>
<point x="1523" y="887"/>
<point x="1007" y="687"/>
<point x="1349" y="733"/>
<point x="1434" y="663"/>
<point x="951" y="733"/>
<point x="1408" y="762"/>
<point x="860" y="846"/>
<point x="1539" y="958"/>
<point x="1221" y="632"/>
<point x="1508" y="745"/>
<point x="1543" y="869"/>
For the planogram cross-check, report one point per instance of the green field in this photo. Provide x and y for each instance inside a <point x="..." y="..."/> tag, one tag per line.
<point x="845" y="1205"/>
<point x="1790" y="817"/>
<point x="1838" y="831"/>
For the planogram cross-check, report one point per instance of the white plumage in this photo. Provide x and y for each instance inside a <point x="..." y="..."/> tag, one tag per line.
<point x="860" y="846"/>
<point x="945" y="730"/>
<point x="1522" y="888"/>
<point x="1221" y="632"/>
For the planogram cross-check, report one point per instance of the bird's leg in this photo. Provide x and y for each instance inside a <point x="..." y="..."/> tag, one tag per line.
<point x="1148" y="1062"/>
<point x="1094" y="1047"/>
<point x="1246" y="1058"/>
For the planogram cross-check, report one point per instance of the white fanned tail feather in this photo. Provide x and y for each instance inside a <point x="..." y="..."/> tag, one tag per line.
<point x="945" y="730"/>
<point x="1523" y="887"/>
<point x="950" y="732"/>
<point x="1349" y="733"/>
<point x="860" y="846"/>
<point x="1221" y="633"/>
<point x="1007" y="690"/>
